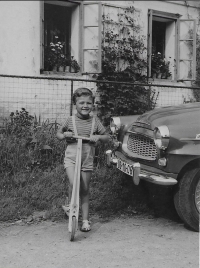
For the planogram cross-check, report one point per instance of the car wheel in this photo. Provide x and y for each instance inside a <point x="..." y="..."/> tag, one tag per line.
<point x="187" y="198"/>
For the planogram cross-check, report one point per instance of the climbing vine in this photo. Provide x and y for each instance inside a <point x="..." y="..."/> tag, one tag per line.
<point x="123" y="60"/>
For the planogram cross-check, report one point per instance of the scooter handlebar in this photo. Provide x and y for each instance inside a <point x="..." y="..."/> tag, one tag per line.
<point x="81" y="137"/>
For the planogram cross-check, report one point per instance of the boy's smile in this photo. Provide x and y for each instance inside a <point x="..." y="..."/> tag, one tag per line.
<point x="84" y="105"/>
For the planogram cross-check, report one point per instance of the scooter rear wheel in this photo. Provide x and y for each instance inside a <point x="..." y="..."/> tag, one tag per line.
<point x="72" y="234"/>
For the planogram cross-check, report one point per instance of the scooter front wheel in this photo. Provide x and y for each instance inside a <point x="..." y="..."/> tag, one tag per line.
<point x="72" y="233"/>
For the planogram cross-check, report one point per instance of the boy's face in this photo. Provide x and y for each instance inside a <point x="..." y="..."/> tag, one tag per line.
<point x="84" y="105"/>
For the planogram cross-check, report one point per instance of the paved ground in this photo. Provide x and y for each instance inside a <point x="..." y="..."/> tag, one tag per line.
<point x="135" y="241"/>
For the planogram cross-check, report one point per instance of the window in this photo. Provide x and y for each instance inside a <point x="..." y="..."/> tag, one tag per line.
<point x="57" y="22"/>
<point x="158" y="37"/>
<point x="73" y="30"/>
<point x="171" y="46"/>
<point x="60" y="35"/>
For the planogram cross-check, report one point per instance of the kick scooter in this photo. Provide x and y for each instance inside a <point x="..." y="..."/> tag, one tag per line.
<point x="74" y="204"/>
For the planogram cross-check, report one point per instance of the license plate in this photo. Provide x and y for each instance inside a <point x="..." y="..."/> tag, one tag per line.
<point x="124" y="167"/>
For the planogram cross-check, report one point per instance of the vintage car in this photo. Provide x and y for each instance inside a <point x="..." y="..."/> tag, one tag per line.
<point x="162" y="146"/>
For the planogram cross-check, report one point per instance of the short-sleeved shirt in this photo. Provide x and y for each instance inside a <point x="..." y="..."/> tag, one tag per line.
<point x="84" y="126"/>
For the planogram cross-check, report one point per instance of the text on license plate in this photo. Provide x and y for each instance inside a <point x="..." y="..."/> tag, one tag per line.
<point x="124" y="167"/>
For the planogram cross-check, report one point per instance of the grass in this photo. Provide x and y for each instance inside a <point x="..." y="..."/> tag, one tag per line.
<point x="40" y="191"/>
<point x="35" y="191"/>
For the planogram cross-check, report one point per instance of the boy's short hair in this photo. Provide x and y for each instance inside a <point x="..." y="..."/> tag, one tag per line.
<point x="82" y="91"/>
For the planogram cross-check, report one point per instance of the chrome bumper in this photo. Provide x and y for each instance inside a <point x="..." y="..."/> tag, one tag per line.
<point x="139" y="173"/>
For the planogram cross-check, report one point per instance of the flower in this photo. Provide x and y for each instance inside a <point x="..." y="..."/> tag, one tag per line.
<point x="54" y="54"/>
<point x="160" y="64"/>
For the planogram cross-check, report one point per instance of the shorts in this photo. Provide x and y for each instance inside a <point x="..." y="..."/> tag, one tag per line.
<point x="87" y="158"/>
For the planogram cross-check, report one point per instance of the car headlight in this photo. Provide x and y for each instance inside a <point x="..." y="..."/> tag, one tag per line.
<point x="115" y="124"/>
<point x="161" y="137"/>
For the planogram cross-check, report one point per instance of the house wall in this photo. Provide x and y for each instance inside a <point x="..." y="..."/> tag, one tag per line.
<point x="20" y="37"/>
<point x="20" y="55"/>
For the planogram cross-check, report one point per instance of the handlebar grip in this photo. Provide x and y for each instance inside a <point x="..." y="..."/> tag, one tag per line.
<point x="81" y="137"/>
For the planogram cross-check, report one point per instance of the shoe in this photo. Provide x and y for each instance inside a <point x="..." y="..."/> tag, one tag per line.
<point x="66" y="209"/>
<point x="86" y="226"/>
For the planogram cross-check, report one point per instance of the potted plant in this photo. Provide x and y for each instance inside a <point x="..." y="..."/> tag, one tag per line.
<point x="160" y="67"/>
<point x="49" y="59"/>
<point x="156" y="63"/>
<point x="54" y="58"/>
<point x="165" y="69"/>
<point x="67" y="64"/>
<point x="61" y="63"/>
<point x="75" y="68"/>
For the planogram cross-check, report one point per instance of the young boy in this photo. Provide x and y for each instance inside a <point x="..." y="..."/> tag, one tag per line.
<point x="82" y="124"/>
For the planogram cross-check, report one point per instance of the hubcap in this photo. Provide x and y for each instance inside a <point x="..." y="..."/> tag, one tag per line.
<point x="197" y="196"/>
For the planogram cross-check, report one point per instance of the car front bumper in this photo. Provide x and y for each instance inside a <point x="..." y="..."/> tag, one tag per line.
<point x="139" y="171"/>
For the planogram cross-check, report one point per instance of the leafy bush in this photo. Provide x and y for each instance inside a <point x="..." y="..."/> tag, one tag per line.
<point x="30" y="155"/>
<point x="119" y="99"/>
<point x="26" y="144"/>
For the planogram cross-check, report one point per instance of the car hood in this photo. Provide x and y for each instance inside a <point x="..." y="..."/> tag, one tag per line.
<point x="185" y="118"/>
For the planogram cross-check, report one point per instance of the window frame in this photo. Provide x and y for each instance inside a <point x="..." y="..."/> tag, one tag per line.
<point x="83" y="4"/>
<point x="76" y="2"/>
<point x="193" y="53"/>
<point x="175" y="18"/>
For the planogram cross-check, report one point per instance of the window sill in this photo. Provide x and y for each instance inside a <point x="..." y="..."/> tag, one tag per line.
<point x="59" y="74"/>
<point x="161" y="79"/>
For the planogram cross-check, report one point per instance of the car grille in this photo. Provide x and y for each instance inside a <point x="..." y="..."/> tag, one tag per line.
<point x="142" y="147"/>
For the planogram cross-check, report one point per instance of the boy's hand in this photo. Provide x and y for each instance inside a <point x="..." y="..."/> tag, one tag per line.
<point x="95" y="138"/>
<point x="68" y="134"/>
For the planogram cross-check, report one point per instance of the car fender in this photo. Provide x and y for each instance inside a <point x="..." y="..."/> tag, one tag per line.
<point x="187" y="148"/>
<point x="127" y="120"/>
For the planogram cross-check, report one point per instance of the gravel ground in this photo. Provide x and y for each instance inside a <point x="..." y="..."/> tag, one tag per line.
<point x="127" y="241"/>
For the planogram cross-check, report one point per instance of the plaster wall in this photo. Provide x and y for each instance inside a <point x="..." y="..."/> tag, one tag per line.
<point x="20" y="37"/>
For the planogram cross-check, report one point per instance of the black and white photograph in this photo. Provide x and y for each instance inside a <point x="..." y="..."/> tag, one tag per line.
<point x="99" y="134"/>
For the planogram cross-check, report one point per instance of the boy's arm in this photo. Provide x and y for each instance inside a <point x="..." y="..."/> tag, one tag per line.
<point x="63" y="135"/>
<point x="102" y="134"/>
<point x="103" y="138"/>
<point x="63" y="131"/>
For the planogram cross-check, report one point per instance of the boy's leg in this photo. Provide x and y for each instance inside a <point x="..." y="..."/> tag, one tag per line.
<point x="84" y="193"/>
<point x="70" y="174"/>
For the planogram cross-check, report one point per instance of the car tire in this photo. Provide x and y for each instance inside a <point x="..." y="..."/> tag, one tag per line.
<point x="187" y="199"/>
